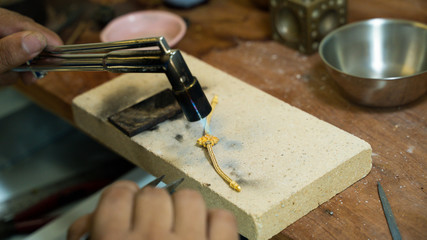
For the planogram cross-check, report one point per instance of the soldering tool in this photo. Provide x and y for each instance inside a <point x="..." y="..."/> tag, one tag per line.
<point x="157" y="57"/>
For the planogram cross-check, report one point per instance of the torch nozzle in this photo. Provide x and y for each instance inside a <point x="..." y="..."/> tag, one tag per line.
<point x="193" y="102"/>
<point x="187" y="89"/>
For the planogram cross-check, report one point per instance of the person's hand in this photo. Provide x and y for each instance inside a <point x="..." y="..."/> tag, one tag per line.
<point x="21" y="39"/>
<point x="126" y="212"/>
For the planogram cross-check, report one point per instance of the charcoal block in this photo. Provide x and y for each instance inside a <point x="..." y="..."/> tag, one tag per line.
<point x="146" y="114"/>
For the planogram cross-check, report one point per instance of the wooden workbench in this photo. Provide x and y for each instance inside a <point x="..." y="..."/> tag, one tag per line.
<point x="235" y="36"/>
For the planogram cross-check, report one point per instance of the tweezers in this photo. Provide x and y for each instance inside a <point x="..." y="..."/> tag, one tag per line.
<point x="169" y="187"/>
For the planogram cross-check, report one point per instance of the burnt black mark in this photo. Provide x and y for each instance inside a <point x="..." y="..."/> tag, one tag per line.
<point x="154" y="128"/>
<point x="236" y="175"/>
<point x="113" y="100"/>
<point x="243" y="182"/>
<point x="235" y="145"/>
<point x="179" y="137"/>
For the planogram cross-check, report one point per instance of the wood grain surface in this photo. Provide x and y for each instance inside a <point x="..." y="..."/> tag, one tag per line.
<point x="235" y="36"/>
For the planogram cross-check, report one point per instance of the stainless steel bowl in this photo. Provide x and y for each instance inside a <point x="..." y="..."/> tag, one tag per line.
<point x="378" y="62"/>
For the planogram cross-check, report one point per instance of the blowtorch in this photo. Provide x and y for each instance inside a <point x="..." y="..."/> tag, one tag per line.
<point x="112" y="57"/>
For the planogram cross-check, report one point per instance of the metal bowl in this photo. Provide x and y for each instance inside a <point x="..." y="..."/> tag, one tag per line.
<point x="378" y="62"/>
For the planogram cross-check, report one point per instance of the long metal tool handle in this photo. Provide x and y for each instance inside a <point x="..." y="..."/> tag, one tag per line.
<point x="112" y="46"/>
<point x="101" y="57"/>
<point x="116" y="61"/>
<point x="392" y="225"/>
<point x="111" y="57"/>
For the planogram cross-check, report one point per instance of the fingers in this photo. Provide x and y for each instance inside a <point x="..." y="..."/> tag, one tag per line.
<point x="15" y="50"/>
<point x="222" y="225"/>
<point x="27" y="77"/>
<point x="21" y="39"/>
<point x="13" y="22"/>
<point x="190" y="215"/>
<point x="126" y="212"/>
<point x="113" y="216"/>
<point x="20" y="47"/>
<point x="79" y="228"/>
<point x="153" y="213"/>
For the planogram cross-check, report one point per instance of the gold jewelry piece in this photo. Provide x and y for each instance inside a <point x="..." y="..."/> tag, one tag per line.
<point x="208" y="141"/>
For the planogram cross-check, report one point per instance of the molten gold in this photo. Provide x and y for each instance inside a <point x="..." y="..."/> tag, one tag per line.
<point x="208" y="141"/>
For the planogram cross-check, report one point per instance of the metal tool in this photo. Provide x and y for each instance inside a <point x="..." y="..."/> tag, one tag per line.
<point x="170" y="187"/>
<point x="106" y="57"/>
<point x="394" y="230"/>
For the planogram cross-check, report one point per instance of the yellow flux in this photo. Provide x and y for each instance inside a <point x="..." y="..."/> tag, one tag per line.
<point x="207" y="139"/>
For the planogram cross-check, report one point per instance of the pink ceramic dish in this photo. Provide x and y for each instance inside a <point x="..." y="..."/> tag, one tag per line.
<point x="144" y="24"/>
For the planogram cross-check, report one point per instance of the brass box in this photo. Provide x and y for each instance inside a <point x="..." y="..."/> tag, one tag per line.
<point x="301" y="24"/>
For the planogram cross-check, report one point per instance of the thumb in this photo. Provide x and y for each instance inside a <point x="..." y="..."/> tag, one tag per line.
<point x="20" y="47"/>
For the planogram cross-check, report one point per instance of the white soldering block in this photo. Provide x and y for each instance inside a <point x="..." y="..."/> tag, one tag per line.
<point x="287" y="161"/>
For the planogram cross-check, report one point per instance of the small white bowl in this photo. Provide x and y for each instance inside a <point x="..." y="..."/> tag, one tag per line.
<point x="143" y="24"/>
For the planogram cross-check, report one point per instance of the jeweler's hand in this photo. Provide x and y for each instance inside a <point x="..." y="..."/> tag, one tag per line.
<point x="21" y="39"/>
<point x="127" y="213"/>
